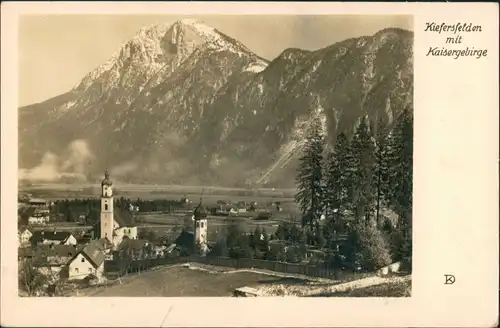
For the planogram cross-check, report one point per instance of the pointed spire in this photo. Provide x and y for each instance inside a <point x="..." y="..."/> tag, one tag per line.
<point x="201" y="196"/>
<point x="200" y="211"/>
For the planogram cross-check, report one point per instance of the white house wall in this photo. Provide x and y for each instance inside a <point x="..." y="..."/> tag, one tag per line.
<point x="79" y="269"/>
<point x="71" y="240"/>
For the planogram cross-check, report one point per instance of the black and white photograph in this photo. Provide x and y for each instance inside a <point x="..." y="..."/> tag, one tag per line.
<point x="249" y="164"/>
<point x="215" y="155"/>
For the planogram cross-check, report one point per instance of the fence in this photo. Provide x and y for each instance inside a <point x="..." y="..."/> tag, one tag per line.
<point x="319" y="271"/>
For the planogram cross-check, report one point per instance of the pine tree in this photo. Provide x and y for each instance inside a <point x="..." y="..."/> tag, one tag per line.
<point x="363" y="150"/>
<point x="337" y="177"/>
<point x="400" y="176"/>
<point x="401" y="167"/>
<point x="381" y="169"/>
<point x="309" y="195"/>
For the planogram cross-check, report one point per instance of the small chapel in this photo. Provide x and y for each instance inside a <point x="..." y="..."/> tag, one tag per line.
<point x="114" y="225"/>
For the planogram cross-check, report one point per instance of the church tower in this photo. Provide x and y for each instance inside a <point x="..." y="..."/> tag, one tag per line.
<point x="200" y="229"/>
<point x="107" y="218"/>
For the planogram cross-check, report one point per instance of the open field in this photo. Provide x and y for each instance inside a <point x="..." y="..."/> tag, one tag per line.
<point x="181" y="281"/>
<point x="172" y="226"/>
<point x="206" y="280"/>
<point x="162" y="223"/>
<point x="211" y="194"/>
<point x="215" y="223"/>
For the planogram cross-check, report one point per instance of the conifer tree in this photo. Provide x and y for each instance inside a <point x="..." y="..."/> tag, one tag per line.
<point x="381" y="169"/>
<point x="400" y="178"/>
<point x="309" y="180"/>
<point x="400" y="157"/>
<point x="337" y="177"/>
<point x="363" y="150"/>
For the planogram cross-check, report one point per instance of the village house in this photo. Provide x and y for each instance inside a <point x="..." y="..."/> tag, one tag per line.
<point x="38" y="202"/>
<point x="125" y="227"/>
<point x="50" y="260"/>
<point x="53" y="238"/>
<point x="84" y="237"/>
<point x="133" y="208"/>
<point x="136" y="249"/>
<point x="89" y="261"/>
<point x="38" y="218"/>
<point x="24" y="237"/>
<point x="42" y="210"/>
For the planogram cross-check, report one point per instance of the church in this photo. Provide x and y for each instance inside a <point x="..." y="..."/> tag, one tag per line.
<point x="196" y="241"/>
<point x="114" y="225"/>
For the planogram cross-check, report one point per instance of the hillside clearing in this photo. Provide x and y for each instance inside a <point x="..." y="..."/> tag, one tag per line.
<point x="195" y="280"/>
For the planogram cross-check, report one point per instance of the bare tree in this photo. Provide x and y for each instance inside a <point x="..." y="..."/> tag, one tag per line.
<point x="30" y="279"/>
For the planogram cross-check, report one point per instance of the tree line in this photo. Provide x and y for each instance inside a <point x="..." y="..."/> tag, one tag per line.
<point x="349" y="186"/>
<point x="70" y="210"/>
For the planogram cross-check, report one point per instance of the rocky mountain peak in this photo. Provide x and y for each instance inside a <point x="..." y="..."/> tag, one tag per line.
<point x="186" y="103"/>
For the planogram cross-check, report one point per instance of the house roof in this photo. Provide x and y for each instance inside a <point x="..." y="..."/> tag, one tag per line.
<point x="185" y="239"/>
<point x="124" y="218"/>
<point x="103" y="243"/>
<point x="50" y="235"/>
<point x="37" y="201"/>
<point x="94" y="252"/>
<point x="84" y="239"/>
<point x="135" y="243"/>
<point x="51" y="254"/>
<point x="25" y="230"/>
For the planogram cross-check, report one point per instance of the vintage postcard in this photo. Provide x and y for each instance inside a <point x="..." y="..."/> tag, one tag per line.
<point x="327" y="164"/>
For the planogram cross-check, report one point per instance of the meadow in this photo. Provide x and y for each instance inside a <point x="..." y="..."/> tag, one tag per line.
<point x="170" y="224"/>
<point x="152" y="191"/>
<point x="179" y="282"/>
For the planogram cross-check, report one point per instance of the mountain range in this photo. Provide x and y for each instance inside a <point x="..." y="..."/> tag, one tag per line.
<point x="184" y="103"/>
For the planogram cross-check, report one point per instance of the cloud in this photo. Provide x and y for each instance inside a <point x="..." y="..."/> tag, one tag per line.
<point x="73" y="165"/>
<point x="46" y="171"/>
<point x="79" y="157"/>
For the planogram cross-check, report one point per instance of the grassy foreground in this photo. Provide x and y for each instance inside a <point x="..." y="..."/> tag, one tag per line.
<point x="392" y="289"/>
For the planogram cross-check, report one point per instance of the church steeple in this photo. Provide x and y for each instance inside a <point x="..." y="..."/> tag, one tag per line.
<point x="107" y="181"/>
<point x="200" y="228"/>
<point x="107" y="215"/>
<point x="200" y="212"/>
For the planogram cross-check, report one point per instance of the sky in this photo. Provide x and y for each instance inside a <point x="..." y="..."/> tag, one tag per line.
<point x="56" y="51"/>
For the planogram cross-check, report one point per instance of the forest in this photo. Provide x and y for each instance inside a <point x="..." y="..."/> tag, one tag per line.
<point x="342" y="193"/>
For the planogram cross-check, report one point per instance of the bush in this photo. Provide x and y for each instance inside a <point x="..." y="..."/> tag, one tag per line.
<point x="220" y="249"/>
<point x="294" y="254"/>
<point x="396" y="242"/>
<point x="370" y="247"/>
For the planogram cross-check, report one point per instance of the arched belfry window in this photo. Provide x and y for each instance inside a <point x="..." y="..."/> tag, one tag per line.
<point x="105" y="207"/>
